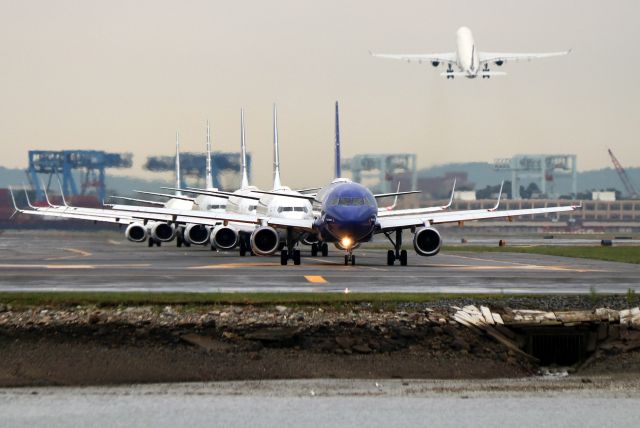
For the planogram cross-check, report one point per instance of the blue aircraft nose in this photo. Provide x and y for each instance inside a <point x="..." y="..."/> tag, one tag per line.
<point x="356" y="223"/>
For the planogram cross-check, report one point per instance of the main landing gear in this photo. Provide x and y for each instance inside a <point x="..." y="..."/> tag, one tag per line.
<point x="180" y="242"/>
<point x="245" y="246"/>
<point x="291" y="252"/>
<point x="396" y="253"/>
<point x="322" y="247"/>
<point x="153" y="241"/>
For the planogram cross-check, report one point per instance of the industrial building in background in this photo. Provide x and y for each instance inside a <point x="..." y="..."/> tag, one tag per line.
<point x="380" y="173"/>
<point x="90" y="164"/>
<point x="541" y="169"/>
<point x="193" y="166"/>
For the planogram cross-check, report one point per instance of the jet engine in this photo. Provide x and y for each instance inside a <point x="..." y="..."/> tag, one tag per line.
<point x="499" y="63"/>
<point x="435" y="63"/>
<point x="264" y="241"/>
<point x="136" y="232"/>
<point x="196" y="234"/>
<point x="224" y="237"/>
<point x="309" y="239"/>
<point x="163" y="232"/>
<point x="427" y="242"/>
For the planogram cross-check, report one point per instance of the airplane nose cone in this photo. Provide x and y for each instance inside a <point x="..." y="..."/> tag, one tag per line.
<point x="354" y="224"/>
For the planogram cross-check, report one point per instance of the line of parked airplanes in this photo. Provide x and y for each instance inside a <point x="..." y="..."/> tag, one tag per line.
<point x="343" y="213"/>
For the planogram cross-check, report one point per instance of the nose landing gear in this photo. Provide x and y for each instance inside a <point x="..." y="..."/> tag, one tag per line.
<point x="485" y="69"/>
<point x="450" y="72"/>
<point x="349" y="258"/>
<point x="291" y="252"/>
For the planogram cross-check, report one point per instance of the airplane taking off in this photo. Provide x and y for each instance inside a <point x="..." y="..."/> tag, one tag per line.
<point x="470" y="62"/>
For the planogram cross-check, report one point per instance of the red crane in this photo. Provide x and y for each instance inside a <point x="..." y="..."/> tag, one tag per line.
<point x="633" y="193"/>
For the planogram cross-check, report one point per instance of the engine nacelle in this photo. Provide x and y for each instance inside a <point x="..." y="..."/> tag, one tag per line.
<point x="136" y="232"/>
<point x="435" y="63"/>
<point x="310" y="239"/>
<point x="224" y="237"/>
<point x="427" y="242"/>
<point x="163" y="232"/>
<point x="499" y="63"/>
<point x="264" y="241"/>
<point x="196" y="234"/>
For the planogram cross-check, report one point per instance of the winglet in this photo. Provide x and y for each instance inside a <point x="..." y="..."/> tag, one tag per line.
<point x="499" y="197"/>
<point x="28" y="200"/>
<point x="15" y="206"/>
<point x="395" y="201"/>
<point x="46" y="196"/>
<point x="64" y="201"/>
<point x="453" y="191"/>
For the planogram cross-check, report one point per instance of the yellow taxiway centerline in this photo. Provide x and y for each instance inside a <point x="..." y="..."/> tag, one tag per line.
<point x="76" y="253"/>
<point x="316" y="279"/>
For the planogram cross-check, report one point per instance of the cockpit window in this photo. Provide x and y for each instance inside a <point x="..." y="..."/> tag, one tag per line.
<point x="352" y="201"/>
<point x="289" y="209"/>
<point x="216" y="207"/>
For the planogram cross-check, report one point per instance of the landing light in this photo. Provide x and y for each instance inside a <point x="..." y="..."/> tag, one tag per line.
<point x="346" y="242"/>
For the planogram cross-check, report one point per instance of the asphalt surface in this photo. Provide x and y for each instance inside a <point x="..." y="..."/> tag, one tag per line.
<point x="46" y="261"/>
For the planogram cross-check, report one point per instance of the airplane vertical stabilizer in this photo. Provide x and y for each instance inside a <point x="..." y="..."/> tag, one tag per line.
<point x="276" y="151"/>
<point x="178" y="177"/>
<point x="338" y="172"/>
<point x="245" y="177"/>
<point x="209" y="174"/>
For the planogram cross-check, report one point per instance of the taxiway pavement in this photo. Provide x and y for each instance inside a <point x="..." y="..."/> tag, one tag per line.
<point x="33" y="261"/>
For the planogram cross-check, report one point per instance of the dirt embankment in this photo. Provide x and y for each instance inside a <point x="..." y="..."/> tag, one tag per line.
<point x="89" y="345"/>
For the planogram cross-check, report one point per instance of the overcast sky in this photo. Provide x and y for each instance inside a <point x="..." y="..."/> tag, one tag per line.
<point x="124" y="75"/>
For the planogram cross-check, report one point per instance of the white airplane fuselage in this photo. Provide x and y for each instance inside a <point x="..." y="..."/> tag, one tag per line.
<point x="467" y="54"/>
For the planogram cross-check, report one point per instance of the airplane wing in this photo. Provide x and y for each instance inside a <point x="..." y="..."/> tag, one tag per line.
<point x="212" y="218"/>
<point x="514" y="57"/>
<point x="389" y="211"/>
<point x="403" y="222"/>
<point x="449" y="57"/>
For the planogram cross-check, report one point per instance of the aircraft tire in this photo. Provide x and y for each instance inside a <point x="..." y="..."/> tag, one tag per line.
<point x="296" y="257"/>
<point x="284" y="257"/>
<point x="403" y="258"/>
<point x="325" y="249"/>
<point x="391" y="258"/>
<point x="314" y="250"/>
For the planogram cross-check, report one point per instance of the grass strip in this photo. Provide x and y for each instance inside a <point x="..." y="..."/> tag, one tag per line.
<point x="26" y="299"/>
<point x="624" y="254"/>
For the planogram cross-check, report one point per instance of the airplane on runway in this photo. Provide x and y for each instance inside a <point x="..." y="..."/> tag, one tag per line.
<point x="348" y="216"/>
<point x="470" y="62"/>
<point x="248" y="201"/>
